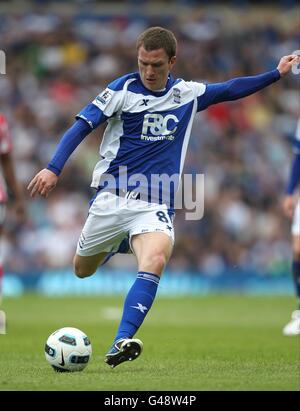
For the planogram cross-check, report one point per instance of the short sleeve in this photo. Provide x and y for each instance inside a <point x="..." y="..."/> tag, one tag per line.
<point x="198" y="88"/>
<point x="104" y="106"/>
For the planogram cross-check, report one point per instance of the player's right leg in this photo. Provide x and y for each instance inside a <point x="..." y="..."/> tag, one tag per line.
<point x="151" y="237"/>
<point x="152" y="251"/>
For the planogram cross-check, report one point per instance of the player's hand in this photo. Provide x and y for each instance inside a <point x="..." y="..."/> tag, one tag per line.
<point x="286" y="63"/>
<point x="43" y="183"/>
<point x="289" y="205"/>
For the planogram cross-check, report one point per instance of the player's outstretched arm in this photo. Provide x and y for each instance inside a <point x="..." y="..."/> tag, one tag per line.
<point x="240" y="87"/>
<point x="286" y="63"/>
<point x="43" y="183"/>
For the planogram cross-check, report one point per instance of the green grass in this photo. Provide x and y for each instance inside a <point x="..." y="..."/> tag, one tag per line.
<point x="205" y="343"/>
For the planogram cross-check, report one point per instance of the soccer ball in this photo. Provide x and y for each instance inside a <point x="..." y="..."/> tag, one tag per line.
<point x="68" y="349"/>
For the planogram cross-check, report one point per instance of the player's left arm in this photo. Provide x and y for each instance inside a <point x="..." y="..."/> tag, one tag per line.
<point x="244" y="86"/>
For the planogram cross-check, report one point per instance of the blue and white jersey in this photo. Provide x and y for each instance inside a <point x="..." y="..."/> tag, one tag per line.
<point x="146" y="138"/>
<point x="147" y="132"/>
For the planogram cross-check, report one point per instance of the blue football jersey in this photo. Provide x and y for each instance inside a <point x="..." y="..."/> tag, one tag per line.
<point x="145" y="142"/>
<point x="147" y="133"/>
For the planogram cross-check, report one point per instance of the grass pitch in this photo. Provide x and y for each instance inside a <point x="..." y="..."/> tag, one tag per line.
<point x="221" y="343"/>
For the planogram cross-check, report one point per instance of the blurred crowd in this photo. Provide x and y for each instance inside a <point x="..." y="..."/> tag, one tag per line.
<point x="58" y="61"/>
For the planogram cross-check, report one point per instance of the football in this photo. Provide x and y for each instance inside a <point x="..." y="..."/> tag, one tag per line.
<point x="68" y="349"/>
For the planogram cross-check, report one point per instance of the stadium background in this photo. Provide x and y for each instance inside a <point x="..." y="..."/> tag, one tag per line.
<point x="61" y="54"/>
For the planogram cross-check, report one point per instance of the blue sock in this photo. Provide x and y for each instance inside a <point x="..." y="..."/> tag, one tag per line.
<point x="296" y="275"/>
<point x="137" y="304"/>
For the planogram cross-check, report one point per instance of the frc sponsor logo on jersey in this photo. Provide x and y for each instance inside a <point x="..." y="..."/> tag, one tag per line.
<point x="158" y="127"/>
<point x="104" y="97"/>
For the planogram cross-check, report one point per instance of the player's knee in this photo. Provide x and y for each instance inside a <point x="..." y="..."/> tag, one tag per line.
<point x="79" y="272"/>
<point x="82" y="271"/>
<point x="156" y="262"/>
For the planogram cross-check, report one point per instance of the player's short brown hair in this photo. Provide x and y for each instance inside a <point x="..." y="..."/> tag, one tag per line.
<point x="156" y="38"/>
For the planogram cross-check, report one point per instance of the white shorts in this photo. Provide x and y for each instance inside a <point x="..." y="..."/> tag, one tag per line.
<point x="296" y="220"/>
<point x="112" y="218"/>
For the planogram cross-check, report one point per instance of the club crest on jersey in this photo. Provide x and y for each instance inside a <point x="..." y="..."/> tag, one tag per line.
<point x="104" y="97"/>
<point x="176" y="95"/>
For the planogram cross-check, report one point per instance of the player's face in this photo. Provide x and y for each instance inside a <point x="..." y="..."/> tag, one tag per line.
<point x="154" y="68"/>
